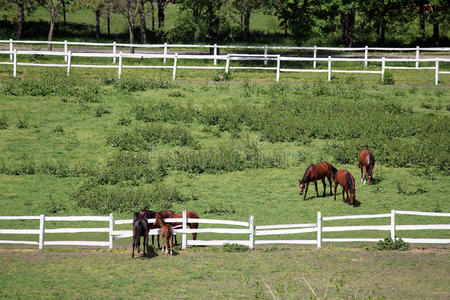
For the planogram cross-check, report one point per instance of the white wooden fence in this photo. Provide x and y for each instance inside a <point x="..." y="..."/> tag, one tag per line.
<point x="249" y="229"/>
<point x="14" y="53"/>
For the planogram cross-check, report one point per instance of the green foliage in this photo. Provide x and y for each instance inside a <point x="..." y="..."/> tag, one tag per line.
<point x="23" y="123"/>
<point x="144" y="137"/>
<point x="3" y="122"/>
<point x="231" y="247"/>
<point x="52" y="207"/>
<point x="111" y="198"/>
<point x="222" y="76"/>
<point x="388" y="78"/>
<point x="389" y="244"/>
<point x="58" y="129"/>
<point x="129" y="85"/>
<point x="102" y="110"/>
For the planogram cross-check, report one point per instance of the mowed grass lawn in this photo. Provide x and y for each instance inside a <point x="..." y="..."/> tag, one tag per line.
<point x="210" y="273"/>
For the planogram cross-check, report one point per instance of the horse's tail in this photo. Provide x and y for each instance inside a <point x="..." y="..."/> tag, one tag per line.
<point x="333" y="171"/>
<point x="350" y="184"/>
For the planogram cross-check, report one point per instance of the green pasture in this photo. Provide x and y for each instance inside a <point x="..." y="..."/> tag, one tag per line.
<point x="210" y="273"/>
<point x="62" y="139"/>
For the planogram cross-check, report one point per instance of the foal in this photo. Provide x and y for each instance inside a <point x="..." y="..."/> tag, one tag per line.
<point x="345" y="178"/>
<point x="140" y="228"/>
<point x="166" y="235"/>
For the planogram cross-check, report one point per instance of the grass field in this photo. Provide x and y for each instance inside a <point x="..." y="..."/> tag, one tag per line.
<point x="90" y="145"/>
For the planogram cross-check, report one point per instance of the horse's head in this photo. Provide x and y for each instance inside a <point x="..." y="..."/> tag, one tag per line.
<point x="369" y="175"/>
<point x="158" y="219"/>
<point x="352" y="198"/>
<point x="143" y="212"/>
<point x="301" y="187"/>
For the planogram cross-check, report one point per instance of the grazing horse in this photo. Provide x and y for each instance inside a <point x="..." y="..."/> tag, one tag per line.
<point x="345" y="178"/>
<point x="150" y="214"/>
<point x="366" y="164"/>
<point x="166" y="234"/>
<point x="314" y="173"/>
<point x="140" y="228"/>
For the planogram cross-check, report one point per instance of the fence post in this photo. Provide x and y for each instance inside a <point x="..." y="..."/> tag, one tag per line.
<point x="41" y="231"/>
<point x="417" y="56"/>
<point x="393" y="225"/>
<point x="120" y="64"/>
<point x="251" y="225"/>
<point x="383" y="65"/>
<point x="175" y="59"/>
<point x="366" y="55"/>
<point x="114" y="52"/>
<point x="184" y="240"/>
<point x="436" y="72"/>
<point x="15" y="63"/>
<point x="11" y="49"/>
<point x="111" y="229"/>
<point x="69" y="62"/>
<point x="315" y="56"/>
<point x="265" y="54"/>
<point x="319" y="230"/>
<point x="278" y="68"/>
<point x="227" y="64"/>
<point x="215" y="54"/>
<point x="65" y="49"/>
<point x="165" y="52"/>
<point x="329" y="68"/>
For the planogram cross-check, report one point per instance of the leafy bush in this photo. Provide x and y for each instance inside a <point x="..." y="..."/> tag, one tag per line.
<point x="388" y="78"/>
<point x="106" y="198"/>
<point x="102" y="110"/>
<point x="144" y="137"/>
<point x="3" y="122"/>
<point x="389" y="244"/>
<point x="52" y="207"/>
<point x="129" y="85"/>
<point x="222" y="76"/>
<point x="230" y="247"/>
<point x="58" y="129"/>
<point x="23" y="123"/>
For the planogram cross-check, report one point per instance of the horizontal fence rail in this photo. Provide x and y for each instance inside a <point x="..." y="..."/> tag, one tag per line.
<point x="228" y="58"/>
<point x="249" y="230"/>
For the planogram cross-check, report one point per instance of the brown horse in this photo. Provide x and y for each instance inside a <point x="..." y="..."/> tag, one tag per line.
<point x="366" y="164"/>
<point x="150" y="214"/>
<point x="345" y="178"/>
<point x="166" y="234"/>
<point x="140" y="228"/>
<point x="314" y="173"/>
<point x="190" y="214"/>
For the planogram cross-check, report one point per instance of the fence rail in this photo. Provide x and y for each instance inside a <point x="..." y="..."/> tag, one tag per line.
<point x="228" y="58"/>
<point x="250" y="230"/>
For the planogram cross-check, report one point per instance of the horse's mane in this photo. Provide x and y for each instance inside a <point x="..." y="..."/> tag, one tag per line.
<point x="371" y="161"/>
<point x="350" y="184"/>
<point x="304" y="176"/>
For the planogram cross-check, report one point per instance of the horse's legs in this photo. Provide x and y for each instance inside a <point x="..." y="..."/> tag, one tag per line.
<point x="324" y="187"/>
<point x="194" y="226"/>
<point x="331" y="186"/>
<point x="343" y="190"/>
<point x="306" y="190"/>
<point x="171" y="244"/>
<point x="139" y="244"/>
<point x="134" y="243"/>
<point x="348" y="198"/>
<point x="361" y="167"/>
<point x="365" y="174"/>
<point x="315" y="185"/>
<point x="335" y="188"/>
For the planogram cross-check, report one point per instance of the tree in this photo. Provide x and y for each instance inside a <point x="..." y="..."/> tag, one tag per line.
<point x="22" y="6"/>
<point x="97" y="6"/>
<point x="130" y="9"/>
<point x="52" y="6"/>
<point x="439" y="14"/>
<point x="245" y="7"/>
<point x="162" y="4"/>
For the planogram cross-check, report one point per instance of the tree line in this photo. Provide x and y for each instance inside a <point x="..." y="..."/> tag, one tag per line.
<point x="215" y="21"/>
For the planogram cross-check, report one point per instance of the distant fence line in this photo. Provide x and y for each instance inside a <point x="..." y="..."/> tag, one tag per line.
<point x="249" y="229"/>
<point x="265" y="57"/>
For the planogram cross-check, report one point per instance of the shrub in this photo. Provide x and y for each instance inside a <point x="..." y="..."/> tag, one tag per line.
<point x="388" y="78"/>
<point x="222" y="76"/>
<point x="58" y="129"/>
<point x="105" y="198"/>
<point x="52" y="207"/>
<point x="389" y="244"/>
<point x="23" y="123"/>
<point x="3" y="122"/>
<point x="102" y="110"/>
<point x="124" y="121"/>
<point x="230" y="247"/>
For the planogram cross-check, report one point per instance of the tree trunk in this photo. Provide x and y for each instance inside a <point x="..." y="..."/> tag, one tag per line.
<point x="131" y="31"/>
<point x="153" y="14"/>
<point x="97" y="24"/>
<point x="161" y="15"/>
<point x="422" y="22"/>
<point x="246" y="22"/>
<point x="347" y="23"/>
<point x="64" y="11"/>
<point x="108" y="21"/>
<point x="50" y="33"/>
<point x="20" y="20"/>
<point x="436" y="34"/>
<point x="143" y="26"/>
<point x="213" y="22"/>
